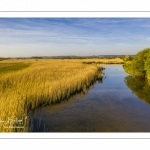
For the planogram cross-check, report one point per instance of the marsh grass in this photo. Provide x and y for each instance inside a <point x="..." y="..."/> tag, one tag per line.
<point x="30" y="84"/>
<point x="103" y="61"/>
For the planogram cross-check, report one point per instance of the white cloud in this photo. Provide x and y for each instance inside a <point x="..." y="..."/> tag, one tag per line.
<point x="83" y="33"/>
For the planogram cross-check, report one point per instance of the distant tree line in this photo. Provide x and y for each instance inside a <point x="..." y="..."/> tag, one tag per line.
<point x="1" y="58"/>
<point x="79" y="57"/>
<point x="124" y="57"/>
<point x="36" y="57"/>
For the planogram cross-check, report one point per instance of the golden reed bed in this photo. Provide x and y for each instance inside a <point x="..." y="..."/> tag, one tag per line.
<point x="43" y="82"/>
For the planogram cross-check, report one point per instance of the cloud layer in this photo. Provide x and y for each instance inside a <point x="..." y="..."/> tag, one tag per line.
<point x="72" y="36"/>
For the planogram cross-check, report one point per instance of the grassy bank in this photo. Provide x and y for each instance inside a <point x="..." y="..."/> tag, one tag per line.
<point x="31" y="83"/>
<point x="41" y="83"/>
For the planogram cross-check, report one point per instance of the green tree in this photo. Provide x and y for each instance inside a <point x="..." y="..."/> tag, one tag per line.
<point x="140" y="65"/>
<point x="147" y="66"/>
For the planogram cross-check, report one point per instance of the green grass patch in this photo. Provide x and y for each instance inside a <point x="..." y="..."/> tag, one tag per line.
<point x="8" y="67"/>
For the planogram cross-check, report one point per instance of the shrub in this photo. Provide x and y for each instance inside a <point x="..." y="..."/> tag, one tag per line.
<point x="140" y="65"/>
<point x="127" y="58"/>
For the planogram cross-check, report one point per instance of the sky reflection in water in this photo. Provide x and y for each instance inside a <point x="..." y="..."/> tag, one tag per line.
<point x="109" y="106"/>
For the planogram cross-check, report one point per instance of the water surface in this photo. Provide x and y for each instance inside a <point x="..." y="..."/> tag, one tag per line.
<point x="112" y="105"/>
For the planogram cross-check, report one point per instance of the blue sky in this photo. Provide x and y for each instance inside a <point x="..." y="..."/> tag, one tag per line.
<point x="25" y="37"/>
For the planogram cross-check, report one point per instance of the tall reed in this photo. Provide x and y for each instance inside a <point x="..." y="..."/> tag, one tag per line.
<point x="44" y="82"/>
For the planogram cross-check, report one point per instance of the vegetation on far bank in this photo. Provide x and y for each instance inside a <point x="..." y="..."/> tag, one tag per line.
<point x="140" y="64"/>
